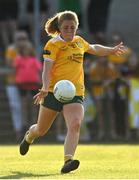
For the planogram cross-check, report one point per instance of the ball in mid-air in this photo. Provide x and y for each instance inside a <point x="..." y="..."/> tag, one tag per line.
<point x="64" y="91"/>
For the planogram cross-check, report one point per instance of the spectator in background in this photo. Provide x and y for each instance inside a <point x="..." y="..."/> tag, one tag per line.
<point x="133" y="104"/>
<point x="124" y="64"/>
<point x="8" y="21"/>
<point x="121" y="107"/>
<point x="102" y="75"/>
<point x="88" y="128"/>
<point x="20" y="38"/>
<point x="27" y="73"/>
<point x="97" y="16"/>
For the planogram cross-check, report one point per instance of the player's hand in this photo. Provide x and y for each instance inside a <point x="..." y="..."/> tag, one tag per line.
<point x="39" y="97"/>
<point x="119" y="49"/>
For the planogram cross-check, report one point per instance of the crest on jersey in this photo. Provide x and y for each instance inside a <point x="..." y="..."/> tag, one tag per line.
<point x="79" y="44"/>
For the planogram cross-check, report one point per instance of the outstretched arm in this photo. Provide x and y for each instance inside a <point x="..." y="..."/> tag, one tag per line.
<point x="100" y="50"/>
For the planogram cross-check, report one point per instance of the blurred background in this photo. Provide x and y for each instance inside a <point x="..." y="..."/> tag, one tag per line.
<point x="112" y="83"/>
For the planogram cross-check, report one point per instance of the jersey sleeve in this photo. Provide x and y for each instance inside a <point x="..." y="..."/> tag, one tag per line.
<point x="50" y="51"/>
<point x="85" y="44"/>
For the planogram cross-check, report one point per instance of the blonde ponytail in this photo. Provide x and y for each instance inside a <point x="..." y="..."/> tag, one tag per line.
<point x="51" y="26"/>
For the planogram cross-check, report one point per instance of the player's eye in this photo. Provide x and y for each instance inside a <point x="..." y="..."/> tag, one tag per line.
<point x="66" y="28"/>
<point x="69" y="28"/>
<point x="73" y="27"/>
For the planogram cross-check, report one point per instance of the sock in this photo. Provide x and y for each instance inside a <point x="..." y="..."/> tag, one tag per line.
<point x="28" y="138"/>
<point x="31" y="134"/>
<point x="67" y="157"/>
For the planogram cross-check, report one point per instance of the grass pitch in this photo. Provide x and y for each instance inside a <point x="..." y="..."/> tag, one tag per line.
<point x="45" y="161"/>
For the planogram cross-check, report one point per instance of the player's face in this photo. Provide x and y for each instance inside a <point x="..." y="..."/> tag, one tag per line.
<point x="68" y="29"/>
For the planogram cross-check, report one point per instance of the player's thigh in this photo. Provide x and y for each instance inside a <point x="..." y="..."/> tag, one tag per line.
<point x="45" y="118"/>
<point x="73" y="113"/>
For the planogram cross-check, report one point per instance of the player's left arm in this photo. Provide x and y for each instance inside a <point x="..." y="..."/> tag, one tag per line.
<point x="100" y="50"/>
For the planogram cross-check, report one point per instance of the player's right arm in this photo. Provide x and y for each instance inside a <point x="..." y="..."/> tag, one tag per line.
<point x="46" y="74"/>
<point x="49" y="58"/>
<point x="46" y="77"/>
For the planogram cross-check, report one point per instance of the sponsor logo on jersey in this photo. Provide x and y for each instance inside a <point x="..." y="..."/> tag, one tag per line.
<point x="76" y="57"/>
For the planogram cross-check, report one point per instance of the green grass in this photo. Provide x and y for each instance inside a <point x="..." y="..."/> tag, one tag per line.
<point x="45" y="161"/>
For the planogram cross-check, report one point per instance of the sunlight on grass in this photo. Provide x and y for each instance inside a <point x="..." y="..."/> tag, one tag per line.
<point x="45" y="161"/>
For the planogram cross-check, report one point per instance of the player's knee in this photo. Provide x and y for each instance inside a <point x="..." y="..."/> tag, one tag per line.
<point x="75" y="125"/>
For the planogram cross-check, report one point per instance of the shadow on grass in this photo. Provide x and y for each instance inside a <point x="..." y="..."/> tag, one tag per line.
<point x="19" y="175"/>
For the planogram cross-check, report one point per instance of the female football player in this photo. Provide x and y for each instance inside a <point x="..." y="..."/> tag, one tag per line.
<point x="63" y="59"/>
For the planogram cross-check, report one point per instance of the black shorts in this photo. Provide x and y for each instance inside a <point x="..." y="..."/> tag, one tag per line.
<point x="51" y="102"/>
